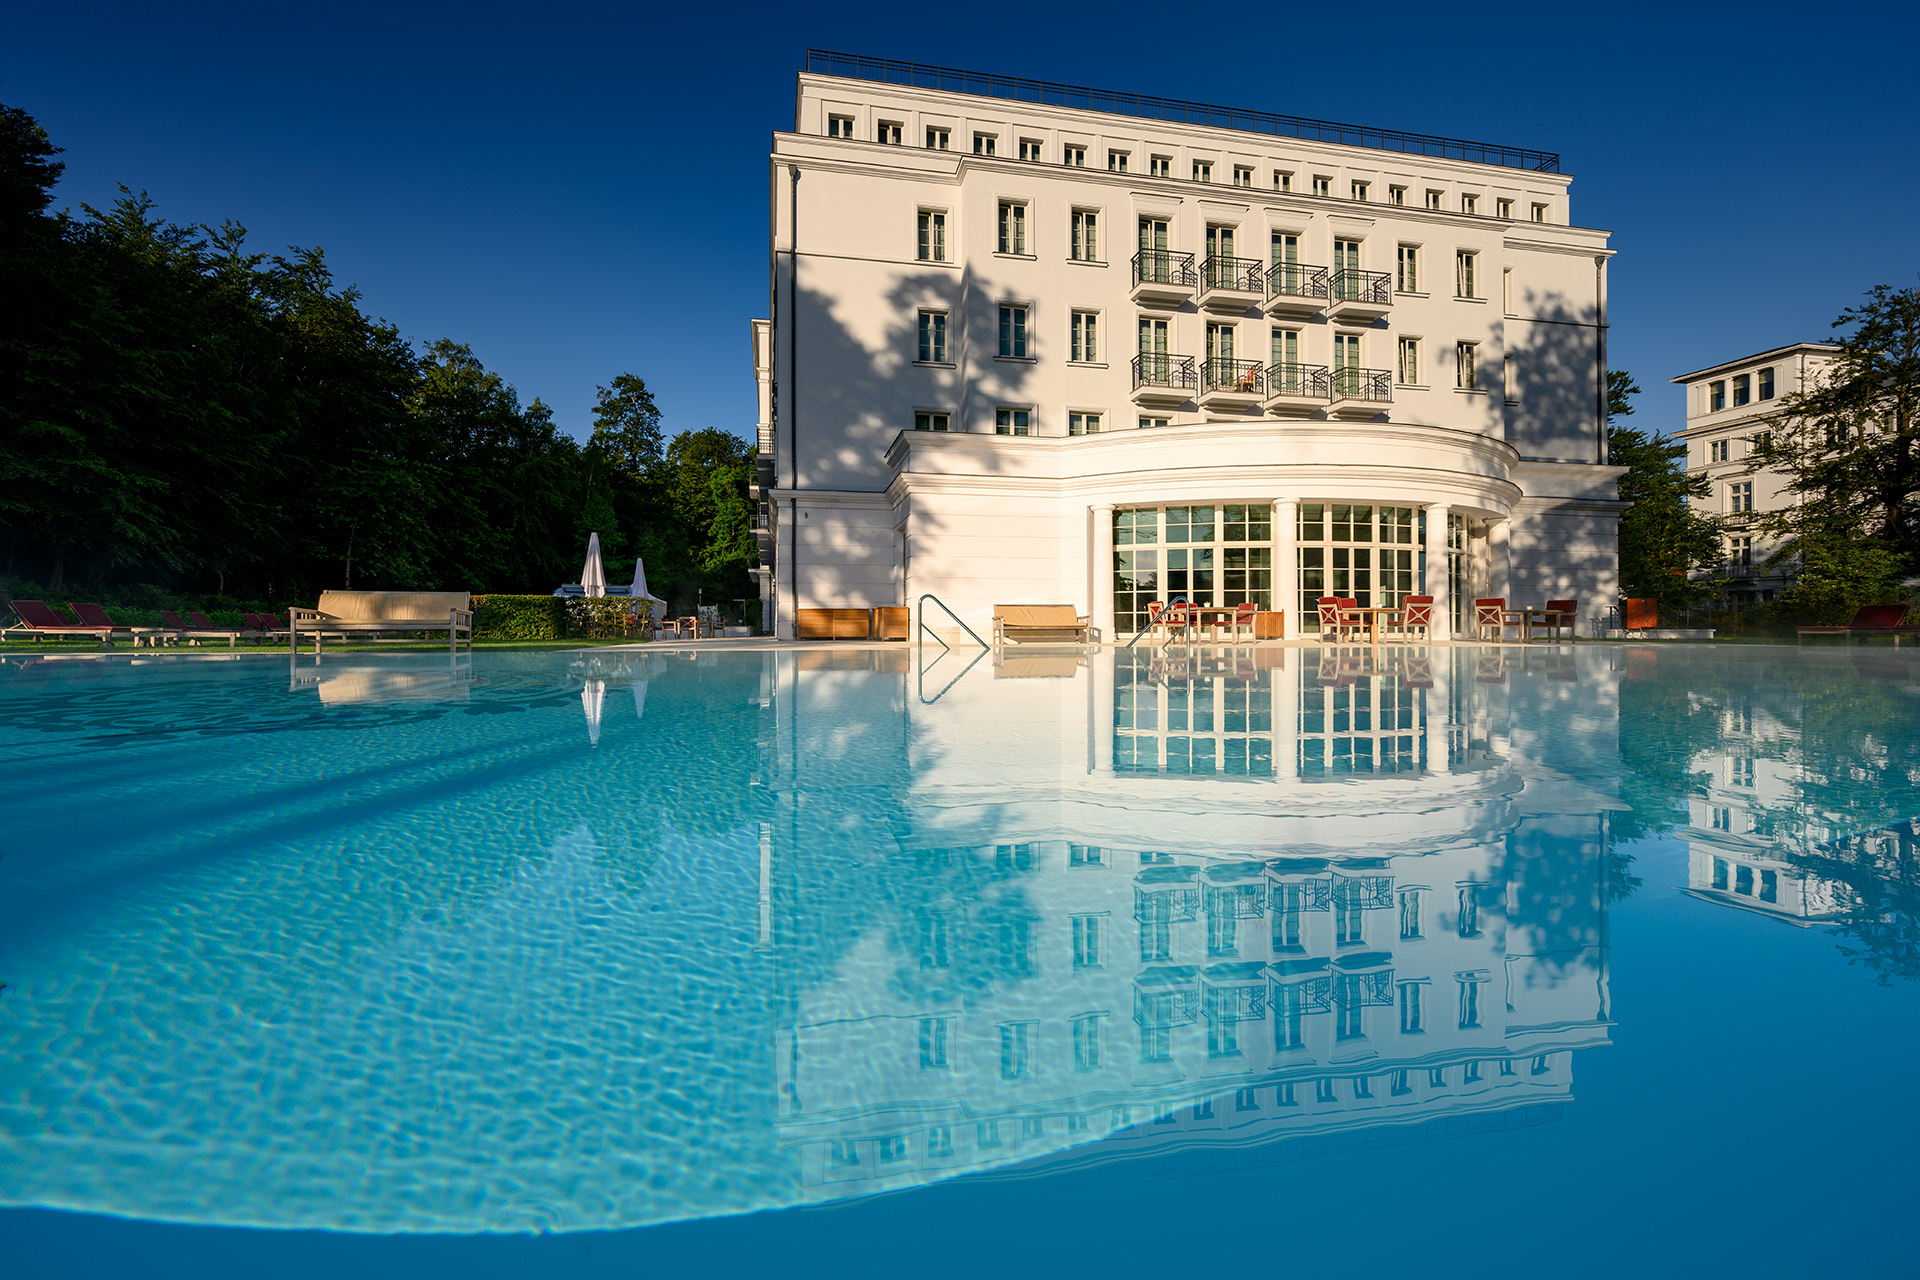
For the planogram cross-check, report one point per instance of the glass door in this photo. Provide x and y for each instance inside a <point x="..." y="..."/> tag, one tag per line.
<point x="1155" y="264"/>
<point x="1346" y="257"/>
<point x="1155" y="365"/>
<point x="1285" y="373"/>
<point x="1346" y="364"/>
<point x="1219" y="263"/>
<point x="1286" y="253"/>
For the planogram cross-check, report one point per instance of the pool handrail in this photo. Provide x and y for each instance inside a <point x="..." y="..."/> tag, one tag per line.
<point x="1149" y="624"/>
<point x="926" y="630"/>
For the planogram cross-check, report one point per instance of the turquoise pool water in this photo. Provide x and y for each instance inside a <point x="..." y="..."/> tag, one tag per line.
<point x="1595" y="956"/>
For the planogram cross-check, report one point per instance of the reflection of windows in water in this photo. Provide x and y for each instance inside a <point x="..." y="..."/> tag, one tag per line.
<point x="1348" y="1024"/>
<point x="1222" y="934"/>
<point x="1437" y="1077"/>
<point x="1289" y="1016"/>
<point x="1363" y="1086"/>
<point x="1323" y="1091"/>
<point x="1410" y="913"/>
<point x="1469" y="1004"/>
<point x="1015" y="946"/>
<point x="1472" y="1074"/>
<point x="845" y="1153"/>
<point x="987" y="1134"/>
<point x="1156" y="940"/>
<point x="940" y="1141"/>
<point x="1223" y="1041"/>
<point x="1203" y="1110"/>
<point x="1506" y="1066"/>
<point x="1469" y="912"/>
<point x="1412" y="1015"/>
<point x="1086" y="942"/>
<point x="1015" y="857"/>
<point x="1348" y="922"/>
<point x="1016" y="1049"/>
<point x="1246" y="707"/>
<point x="1541" y="1064"/>
<point x="933" y="1043"/>
<point x="1032" y="1128"/>
<point x="934" y="930"/>
<point x="1719" y="873"/>
<point x="1156" y="1044"/>
<point x="1086" y="1043"/>
<point x="1287" y="904"/>
<point x="1085" y="855"/>
<point x="1399" y="1085"/>
<point x="1078" y="1124"/>
<point x="892" y="1149"/>
<point x="1743" y="880"/>
<point x="1246" y="1100"/>
<point x="1283" y="1096"/>
<point x="1769" y="886"/>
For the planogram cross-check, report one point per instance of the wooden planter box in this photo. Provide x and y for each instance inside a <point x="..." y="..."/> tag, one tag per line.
<point x="892" y="622"/>
<point x="832" y="624"/>
<point x="1270" y="626"/>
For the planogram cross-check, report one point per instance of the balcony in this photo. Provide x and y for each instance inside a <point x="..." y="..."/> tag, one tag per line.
<point x="1361" y="393"/>
<point x="1231" y="384"/>
<point x="1295" y="291"/>
<point x="1232" y="286"/>
<point x="1296" y="390"/>
<point x="1162" y="381"/>
<point x="1359" y="297"/>
<point x="1163" y="278"/>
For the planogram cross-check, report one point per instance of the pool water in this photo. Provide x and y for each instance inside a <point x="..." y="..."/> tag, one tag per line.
<point x="866" y="959"/>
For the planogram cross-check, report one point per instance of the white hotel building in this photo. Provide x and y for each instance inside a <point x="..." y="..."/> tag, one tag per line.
<point x="1038" y="344"/>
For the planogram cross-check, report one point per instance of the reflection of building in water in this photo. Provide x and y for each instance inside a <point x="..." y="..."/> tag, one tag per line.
<point x="1121" y="910"/>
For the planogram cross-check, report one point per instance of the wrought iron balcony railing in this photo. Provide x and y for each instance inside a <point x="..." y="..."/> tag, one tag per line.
<point x="1158" y="369"/>
<point x="1163" y="266"/>
<point x="1296" y="280"/>
<point x="1232" y="375"/>
<point x="1243" y="275"/>
<point x="1353" y="285"/>
<point x="1298" y="380"/>
<point x="1350" y="383"/>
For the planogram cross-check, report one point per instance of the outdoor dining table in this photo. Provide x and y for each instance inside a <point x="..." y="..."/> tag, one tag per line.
<point x="1212" y="618"/>
<point x="1374" y="618"/>
<point x="1526" y="613"/>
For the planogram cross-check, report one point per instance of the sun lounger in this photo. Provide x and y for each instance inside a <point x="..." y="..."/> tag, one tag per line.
<point x="38" y="619"/>
<point x="93" y="615"/>
<point x="1057" y="623"/>
<point x="1870" y="620"/>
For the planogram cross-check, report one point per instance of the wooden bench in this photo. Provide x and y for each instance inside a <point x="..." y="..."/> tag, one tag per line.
<point x="1056" y="623"/>
<point x="832" y="624"/>
<point x="374" y="613"/>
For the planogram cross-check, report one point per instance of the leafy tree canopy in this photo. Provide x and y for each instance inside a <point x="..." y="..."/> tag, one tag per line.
<point x="1664" y="540"/>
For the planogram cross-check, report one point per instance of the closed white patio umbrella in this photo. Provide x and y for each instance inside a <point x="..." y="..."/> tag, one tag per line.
<point x="593" y="578"/>
<point x="593" y="700"/>
<point x="639" y="589"/>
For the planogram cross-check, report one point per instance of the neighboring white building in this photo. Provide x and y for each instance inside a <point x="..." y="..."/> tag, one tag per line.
<point x="1727" y="406"/>
<point x="1360" y="355"/>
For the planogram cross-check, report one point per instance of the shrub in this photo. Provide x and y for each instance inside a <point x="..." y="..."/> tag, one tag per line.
<point x="519" y="618"/>
<point x="606" y="619"/>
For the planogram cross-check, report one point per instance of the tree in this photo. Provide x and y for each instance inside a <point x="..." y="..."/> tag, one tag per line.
<point x="1849" y="445"/>
<point x="626" y="425"/>
<point x="1664" y="541"/>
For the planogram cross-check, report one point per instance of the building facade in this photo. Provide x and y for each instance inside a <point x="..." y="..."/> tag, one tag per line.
<point x="1727" y="406"/>
<point x="1038" y="344"/>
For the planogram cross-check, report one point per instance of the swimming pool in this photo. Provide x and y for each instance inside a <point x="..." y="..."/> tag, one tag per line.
<point x="1066" y="960"/>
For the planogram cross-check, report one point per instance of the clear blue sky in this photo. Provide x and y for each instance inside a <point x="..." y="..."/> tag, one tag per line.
<point x="580" y="191"/>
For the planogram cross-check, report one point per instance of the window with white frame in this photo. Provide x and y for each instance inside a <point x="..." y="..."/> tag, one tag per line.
<point x="1466" y="374"/>
<point x="1283" y="179"/>
<point x="1013" y="422"/>
<point x="933" y="1043"/>
<point x="1358" y="190"/>
<point x="933" y="337"/>
<point x="1086" y="1043"/>
<point x="1740" y="497"/>
<point x="1030" y="149"/>
<point x="1153" y="422"/>
<point x="1203" y="171"/>
<point x="839" y="126"/>
<point x="1013" y="227"/>
<point x="1085" y="345"/>
<point x="1503" y="208"/>
<point x="1469" y="203"/>
<point x="1016" y="1049"/>
<point x="1465" y="279"/>
<point x="1469" y="1003"/>
<point x="1412" y="1015"/>
<point x="1286" y="376"/>
<point x="1740" y="558"/>
<point x="931" y="421"/>
<point x="1717" y="450"/>
<point x="933" y="236"/>
<point x="1086" y="942"/>
<point x="1434" y="198"/>
<point x="1716" y="396"/>
<point x="1161" y="166"/>
<point x="1742" y="389"/>
<point x="936" y="139"/>
<point x="1074" y="157"/>
<point x="1407" y="262"/>
<point x="1322" y="186"/>
<point x="1242" y="175"/>
<point x="1539" y="213"/>
<point x="1013" y="332"/>
<point x="1083" y="424"/>
<point x="1086" y="235"/>
<point x="1766" y="384"/>
<point x="1116" y="162"/>
<point x="1409" y="369"/>
<point x="889" y="132"/>
<point x="1396" y="195"/>
<point x="984" y="144"/>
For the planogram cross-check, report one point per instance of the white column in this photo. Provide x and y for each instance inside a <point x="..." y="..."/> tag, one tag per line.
<point x="1286" y="566"/>
<point x="1100" y="607"/>
<point x="1437" y="569"/>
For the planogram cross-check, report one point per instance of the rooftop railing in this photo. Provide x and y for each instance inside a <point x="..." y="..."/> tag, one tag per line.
<point x="982" y="84"/>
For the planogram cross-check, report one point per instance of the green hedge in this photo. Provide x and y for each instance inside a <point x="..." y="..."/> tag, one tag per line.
<point x="519" y="618"/>
<point x="607" y="619"/>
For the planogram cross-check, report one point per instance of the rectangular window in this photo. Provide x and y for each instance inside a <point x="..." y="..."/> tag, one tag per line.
<point x="1203" y="171"/>
<point x="839" y="126"/>
<point x="1766" y="384"/>
<point x="1469" y="1004"/>
<point x="1740" y="559"/>
<point x="1283" y="180"/>
<point x="1396" y="195"/>
<point x="1358" y="190"/>
<point x="933" y="236"/>
<point x="933" y="1044"/>
<point x="1030" y="150"/>
<point x="1740" y="497"/>
<point x="936" y="139"/>
<point x="1013" y="227"/>
<point x="1463" y="365"/>
<point x="1346" y="351"/>
<point x="1074" y="157"/>
<point x="1083" y="424"/>
<point x="1116" y="162"/>
<point x="1469" y="921"/>
<point x="933" y="337"/>
<point x="1503" y="208"/>
<point x="934" y="937"/>
<point x="1160" y="166"/>
<point x="1322" y="186"/>
<point x="1717" y="450"/>
<point x="1013" y="332"/>
<point x="930" y="422"/>
<point x="1013" y="422"/>
<point x="940" y="1141"/>
<point x="1742" y="389"/>
<point x="889" y="132"/>
<point x="983" y="144"/>
<point x="1412" y="1015"/>
<point x="1086" y="1043"/>
<point x="1410" y="913"/>
<point x="1408" y="279"/>
<point x="1434" y="198"/>
<point x="1716" y="396"/>
<point x="1154" y="422"/>
<point x="1469" y="204"/>
<point x="1016" y="1050"/>
<point x="1539" y="213"/>
<point x="1464" y="285"/>
<point x="1086" y="942"/>
<point x="1242" y="176"/>
<point x="1410" y="361"/>
<point x="1086" y="337"/>
<point x="1769" y="886"/>
<point x="1086" y="235"/>
<point x="1286" y="360"/>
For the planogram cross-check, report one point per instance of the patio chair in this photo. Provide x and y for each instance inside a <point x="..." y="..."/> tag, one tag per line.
<point x="1243" y="617"/>
<point x="1354" y="621"/>
<point x="1154" y="609"/>
<point x="1175" y="618"/>
<point x="193" y="633"/>
<point x="1416" y="611"/>
<point x="1868" y="620"/>
<point x="92" y="615"/>
<point x="1561" y="614"/>
<point x="38" y="619"/>
<point x="1643" y="614"/>
<point x="1490" y="614"/>
<point x="1330" y="618"/>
